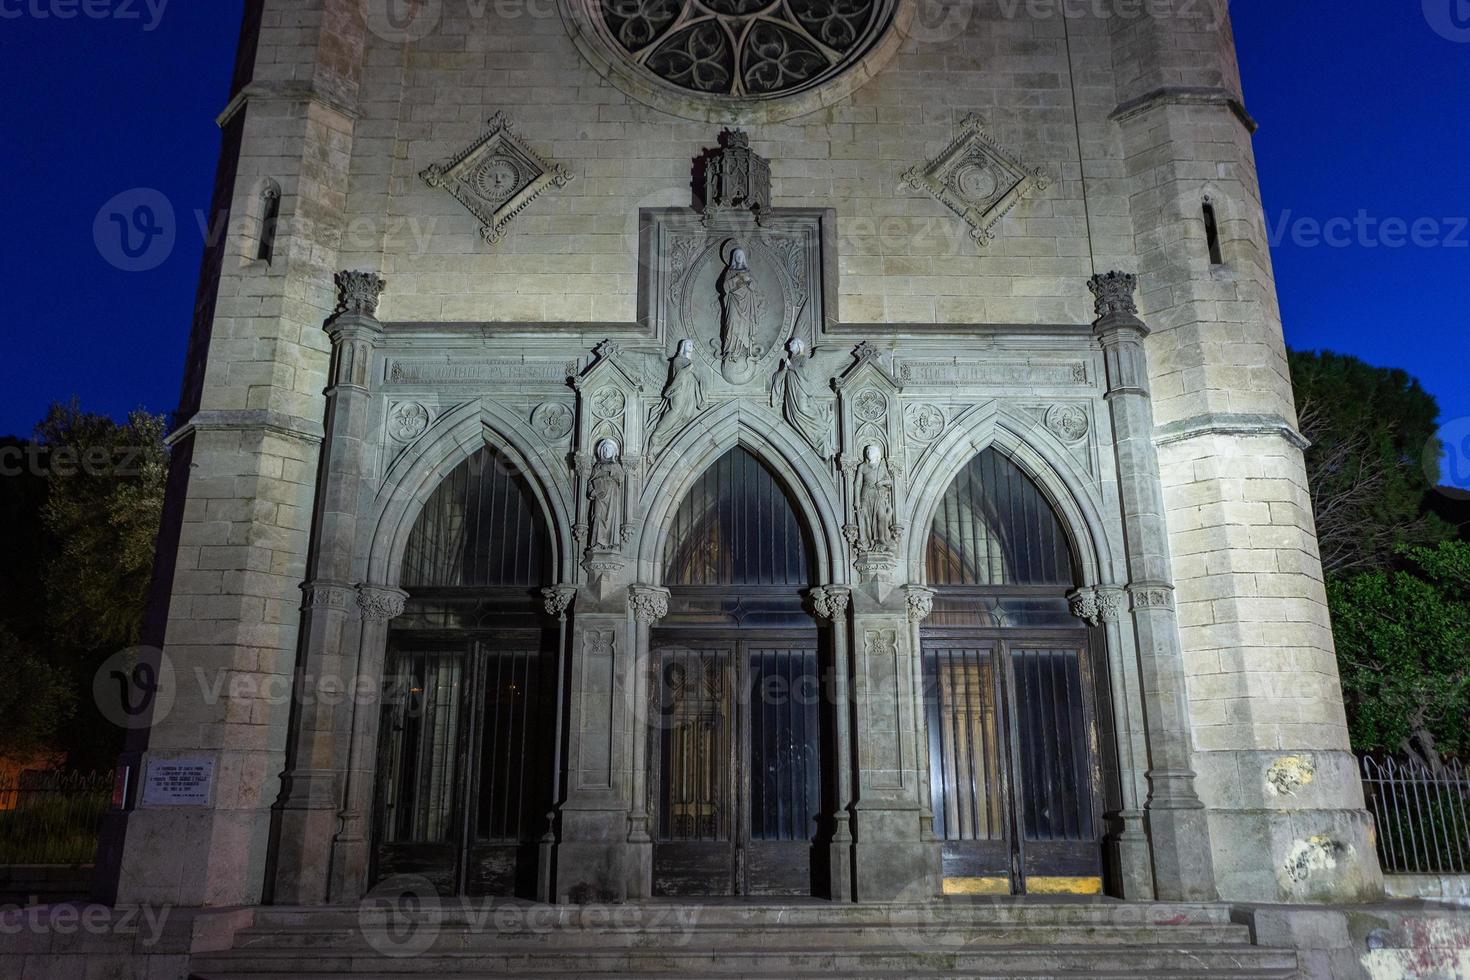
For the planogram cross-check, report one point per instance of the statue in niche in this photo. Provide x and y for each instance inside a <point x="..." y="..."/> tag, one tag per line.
<point x="877" y="530"/>
<point x="791" y="391"/>
<point x="683" y="398"/>
<point x="740" y="313"/>
<point x="605" y="494"/>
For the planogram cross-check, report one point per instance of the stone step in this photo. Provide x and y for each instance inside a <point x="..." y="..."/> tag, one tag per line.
<point x="916" y="935"/>
<point x="1029" y="962"/>
<point x="657" y="915"/>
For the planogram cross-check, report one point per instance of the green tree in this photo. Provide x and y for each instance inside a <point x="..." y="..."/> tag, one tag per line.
<point x="1403" y="649"/>
<point x="102" y="512"/>
<point x="1370" y="429"/>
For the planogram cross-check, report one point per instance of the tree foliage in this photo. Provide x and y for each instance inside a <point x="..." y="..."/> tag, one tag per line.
<point x="1371" y="430"/>
<point x="1403" y="649"/>
<point x="83" y="506"/>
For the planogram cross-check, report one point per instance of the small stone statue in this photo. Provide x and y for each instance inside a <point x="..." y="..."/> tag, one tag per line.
<point x="683" y="398"/>
<point x="605" y="492"/>
<point x="876" y="525"/>
<point x="791" y="391"/>
<point x="740" y="311"/>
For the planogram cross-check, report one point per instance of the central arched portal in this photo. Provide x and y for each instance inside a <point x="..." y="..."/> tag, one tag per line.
<point x="739" y="783"/>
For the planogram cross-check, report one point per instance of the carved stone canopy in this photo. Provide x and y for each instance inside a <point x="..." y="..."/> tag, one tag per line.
<point x="496" y="177"/>
<point x="736" y="178"/>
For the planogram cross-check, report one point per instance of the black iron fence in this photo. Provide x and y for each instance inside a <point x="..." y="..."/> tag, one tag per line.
<point x="1423" y="817"/>
<point x="52" y="817"/>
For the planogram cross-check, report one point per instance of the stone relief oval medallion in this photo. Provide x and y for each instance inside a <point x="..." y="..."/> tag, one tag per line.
<point x="870" y="405"/>
<point x="976" y="182"/>
<point x="553" y="421"/>
<point x="739" y="306"/>
<point x="407" y="421"/>
<point x="923" y="423"/>
<point x="1068" y="423"/>
<point x="608" y="403"/>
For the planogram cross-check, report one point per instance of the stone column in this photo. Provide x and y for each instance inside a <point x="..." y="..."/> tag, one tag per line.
<point x="831" y="603"/>
<point x="891" y="855"/>
<point x="559" y="600"/>
<point x="377" y="606"/>
<point x="649" y="604"/>
<point x="1129" y="864"/>
<point x="921" y="604"/>
<point x="306" y="812"/>
<point x="1178" y="828"/>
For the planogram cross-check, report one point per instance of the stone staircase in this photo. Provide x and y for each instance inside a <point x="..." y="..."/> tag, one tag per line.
<point x="955" y="938"/>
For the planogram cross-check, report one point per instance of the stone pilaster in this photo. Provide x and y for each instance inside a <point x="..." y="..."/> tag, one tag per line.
<point x="649" y="605"/>
<point x="306" y="813"/>
<point x="1178" y="829"/>
<point x="831" y="603"/>
<point x="558" y="600"/>
<point x="892" y="855"/>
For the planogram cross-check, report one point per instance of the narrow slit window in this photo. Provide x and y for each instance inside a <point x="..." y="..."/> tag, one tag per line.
<point x="270" y="213"/>
<point x="1212" y="235"/>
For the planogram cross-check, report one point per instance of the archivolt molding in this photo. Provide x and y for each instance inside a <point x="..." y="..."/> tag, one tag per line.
<point x="455" y="436"/>
<point x="763" y="433"/>
<point x="1073" y="492"/>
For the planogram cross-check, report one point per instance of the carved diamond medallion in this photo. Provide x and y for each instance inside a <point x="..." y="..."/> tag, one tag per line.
<point x="977" y="179"/>
<point x="497" y="177"/>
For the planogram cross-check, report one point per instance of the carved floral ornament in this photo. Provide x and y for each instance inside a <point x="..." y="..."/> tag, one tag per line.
<point x="358" y="292"/>
<point x="496" y="177"/>
<point x="714" y="58"/>
<point x="977" y="179"/>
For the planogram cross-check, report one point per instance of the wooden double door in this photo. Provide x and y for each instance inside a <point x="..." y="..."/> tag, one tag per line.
<point x="465" y="762"/>
<point x="738" y="781"/>
<point x="1014" y="771"/>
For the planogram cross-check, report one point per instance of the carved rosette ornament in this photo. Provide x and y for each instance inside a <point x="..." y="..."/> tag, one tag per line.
<point x="558" y="600"/>
<point x="977" y="179"/>
<point x="380" y="604"/>
<point x="920" y="602"/>
<point x="358" y="293"/>
<point x="496" y="177"/>
<point x="649" y="604"/>
<point x="1069" y="423"/>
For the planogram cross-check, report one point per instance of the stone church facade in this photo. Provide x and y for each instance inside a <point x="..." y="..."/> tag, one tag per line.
<point x="728" y="447"/>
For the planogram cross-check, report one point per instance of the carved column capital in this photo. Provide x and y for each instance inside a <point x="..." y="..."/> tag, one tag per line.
<point x="1083" y="604"/>
<point x="920" y="602"/>
<point x="1151" y="595"/>
<point x="830" y="601"/>
<point x="1109" y="603"/>
<point x="649" y="603"/>
<point x="358" y="293"/>
<point x="380" y="603"/>
<point x="558" y="600"/>
<point x="324" y="594"/>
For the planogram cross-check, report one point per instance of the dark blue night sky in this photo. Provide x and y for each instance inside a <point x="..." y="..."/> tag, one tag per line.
<point x="1362" y="103"/>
